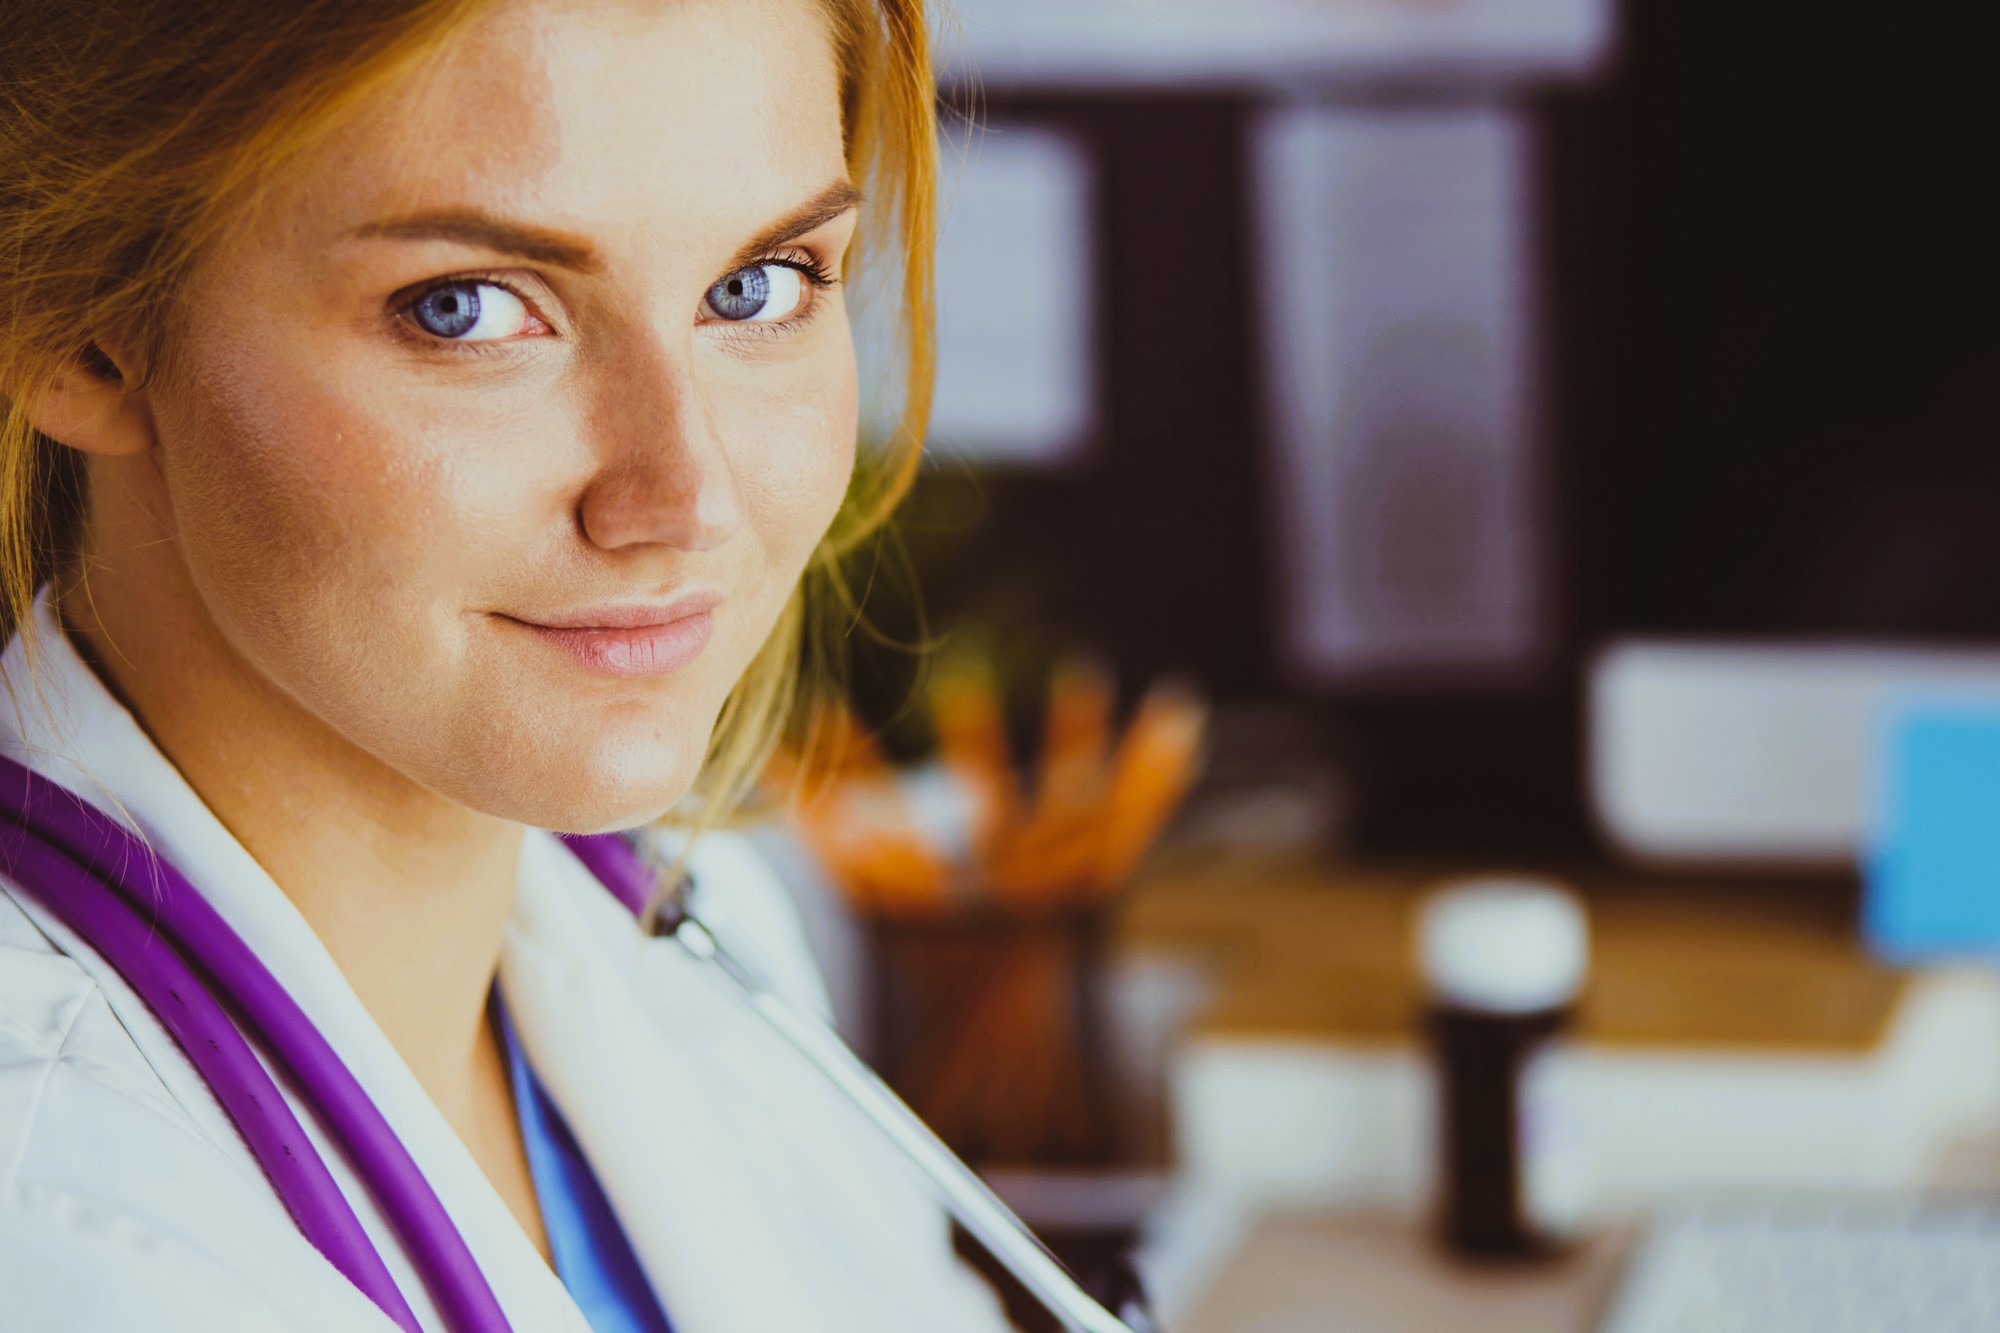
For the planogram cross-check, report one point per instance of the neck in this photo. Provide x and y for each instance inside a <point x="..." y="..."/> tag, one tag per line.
<point x="409" y="892"/>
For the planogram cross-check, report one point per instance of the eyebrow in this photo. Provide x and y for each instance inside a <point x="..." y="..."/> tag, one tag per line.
<point x="471" y="226"/>
<point x="813" y="214"/>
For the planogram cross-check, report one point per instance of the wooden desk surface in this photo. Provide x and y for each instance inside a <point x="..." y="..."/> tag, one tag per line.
<point x="1325" y="951"/>
<point x="1379" y="1273"/>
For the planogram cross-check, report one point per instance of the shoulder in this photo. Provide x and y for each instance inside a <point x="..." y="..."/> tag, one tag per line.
<point x="115" y="1208"/>
<point x="72" y="1264"/>
<point x="58" y="1028"/>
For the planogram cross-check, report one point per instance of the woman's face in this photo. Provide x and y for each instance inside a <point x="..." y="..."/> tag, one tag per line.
<point x="498" y="441"/>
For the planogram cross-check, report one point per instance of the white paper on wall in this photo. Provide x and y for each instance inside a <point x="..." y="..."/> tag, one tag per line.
<point x="1110" y="43"/>
<point x="1016" y="304"/>
<point x="1394" y="292"/>
<point x="1017" y="376"/>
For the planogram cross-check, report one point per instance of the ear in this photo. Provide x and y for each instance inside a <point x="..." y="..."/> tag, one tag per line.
<point x="89" y="408"/>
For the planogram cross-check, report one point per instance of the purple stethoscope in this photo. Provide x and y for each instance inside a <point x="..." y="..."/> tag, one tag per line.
<point x="214" y="996"/>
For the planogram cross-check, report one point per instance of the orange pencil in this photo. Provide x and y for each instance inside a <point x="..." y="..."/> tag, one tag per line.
<point x="1055" y="848"/>
<point x="1077" y="733"/>
<point x="862" y="833"/>
<point x="1041" y="860"/>
<point x="1156" y="764"/>
<point x="972" y="741"/>
<point x="848" y="746"/>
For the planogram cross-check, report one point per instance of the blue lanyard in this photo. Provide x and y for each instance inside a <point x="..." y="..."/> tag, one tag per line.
<point x="592" y="1253"/>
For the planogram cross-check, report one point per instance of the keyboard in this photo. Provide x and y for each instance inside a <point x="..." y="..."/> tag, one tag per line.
<point x="1888" y="1265"/>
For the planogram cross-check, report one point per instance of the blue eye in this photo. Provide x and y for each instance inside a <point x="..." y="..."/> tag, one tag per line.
<point x="448" y="312"/>
<point x="758" y="293"/>
<point x="470" y="311"/>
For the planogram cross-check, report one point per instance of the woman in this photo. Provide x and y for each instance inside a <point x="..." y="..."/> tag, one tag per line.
<point x="428" y="422"/>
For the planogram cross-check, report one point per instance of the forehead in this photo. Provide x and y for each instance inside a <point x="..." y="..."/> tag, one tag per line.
<point x="658" y="121"/>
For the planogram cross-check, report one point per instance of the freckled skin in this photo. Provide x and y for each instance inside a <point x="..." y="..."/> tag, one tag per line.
<point x="337" y="522"/>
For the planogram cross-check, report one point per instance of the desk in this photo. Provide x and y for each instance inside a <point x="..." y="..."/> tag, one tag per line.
<point x="1323" y="951"/>
<point x="1376" y="1272"/>
<point x="1724" y="1019"/>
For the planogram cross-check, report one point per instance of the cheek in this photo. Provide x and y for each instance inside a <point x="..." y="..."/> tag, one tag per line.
<point x="277" y="482"/>
<point x="793" y="482"/>
<point x="322" y="520"/>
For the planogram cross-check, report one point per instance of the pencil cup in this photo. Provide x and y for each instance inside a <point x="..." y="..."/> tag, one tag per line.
<point x="991" y="1024"/>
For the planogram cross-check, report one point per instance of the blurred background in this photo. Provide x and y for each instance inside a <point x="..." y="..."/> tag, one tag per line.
<point x="1547" y="440"/>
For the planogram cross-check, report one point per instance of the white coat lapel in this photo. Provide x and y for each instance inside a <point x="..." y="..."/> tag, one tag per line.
<point x="671" y="1156"/>
<point x="757" y="1198"/>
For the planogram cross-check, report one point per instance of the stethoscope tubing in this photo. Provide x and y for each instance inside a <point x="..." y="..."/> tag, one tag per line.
<point x="218" y="1051"/>
<point x="96" y="845"/>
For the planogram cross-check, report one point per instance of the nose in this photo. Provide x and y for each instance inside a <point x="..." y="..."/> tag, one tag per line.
<point x="664" y="476"/>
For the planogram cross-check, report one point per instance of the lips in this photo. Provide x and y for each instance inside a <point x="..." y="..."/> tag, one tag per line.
<point x="631" y="639"/>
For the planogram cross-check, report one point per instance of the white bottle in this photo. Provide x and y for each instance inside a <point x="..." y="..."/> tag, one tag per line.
<point x="1505" y="961"/>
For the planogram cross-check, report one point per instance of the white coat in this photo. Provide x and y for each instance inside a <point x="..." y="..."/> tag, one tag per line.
<point x="757" y="1199"/>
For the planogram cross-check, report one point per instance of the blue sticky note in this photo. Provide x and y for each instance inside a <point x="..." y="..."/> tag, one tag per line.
<point x="1933" y="872"/>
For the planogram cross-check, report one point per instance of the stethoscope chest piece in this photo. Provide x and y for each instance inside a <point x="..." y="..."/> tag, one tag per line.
<point x="665" y="918"/>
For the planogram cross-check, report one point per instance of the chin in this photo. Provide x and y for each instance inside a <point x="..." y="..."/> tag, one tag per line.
<point x="608" y="817"/>
<point x="589" y="808"/>
<point x="577" y="770"/>
<point x="611" y="787"/>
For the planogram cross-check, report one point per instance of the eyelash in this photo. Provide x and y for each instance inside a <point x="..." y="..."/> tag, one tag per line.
<point x="805" y="262"/>
<point x="405" y="301"/>
<point x="820" y="275"/>
<point x="817" y="274"/>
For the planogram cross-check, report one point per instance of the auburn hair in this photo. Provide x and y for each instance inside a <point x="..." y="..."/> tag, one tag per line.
<point x="134" y="133"/>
